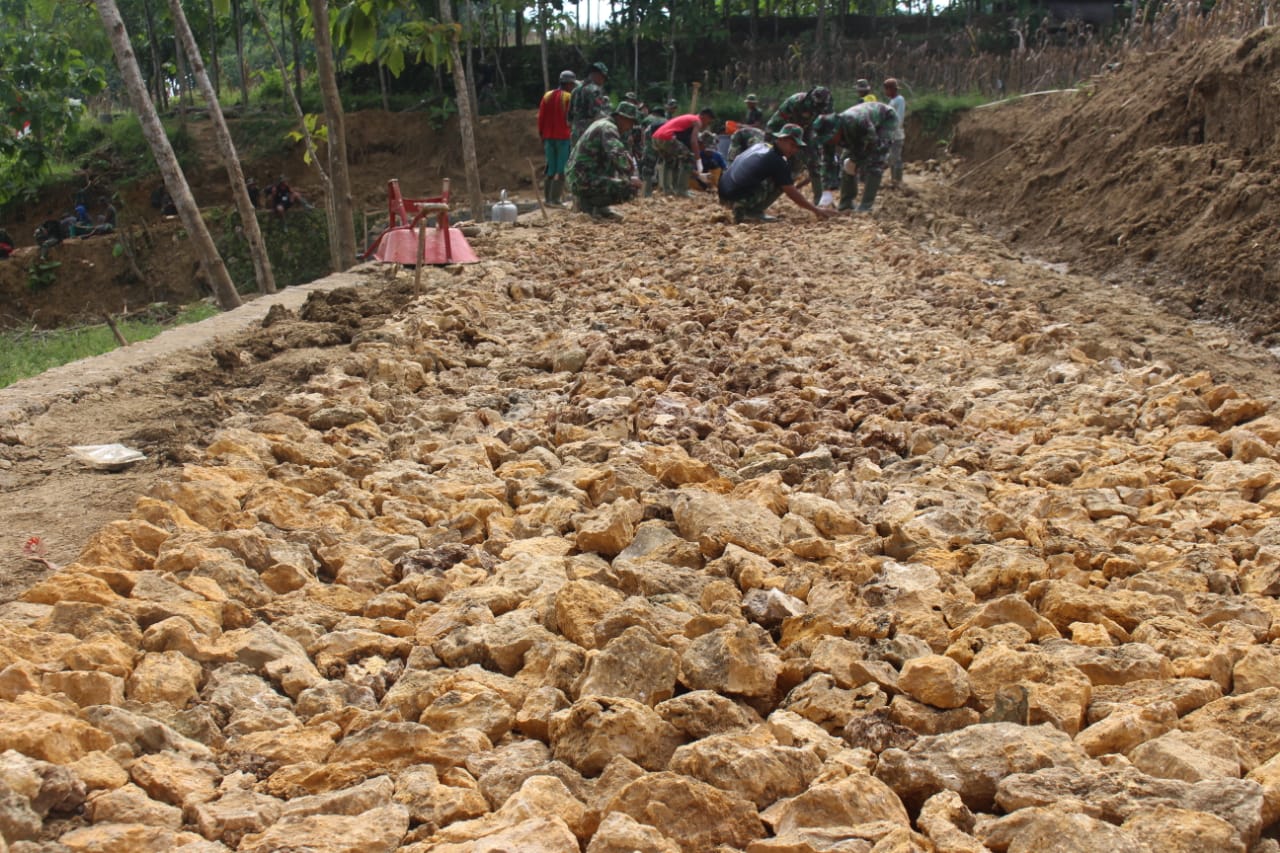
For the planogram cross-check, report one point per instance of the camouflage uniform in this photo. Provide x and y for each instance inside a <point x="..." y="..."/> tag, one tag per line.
<point x="866" y="135"/>
<point x="802" y="108"/>
<point x="600" y="167"/>
<point x="649" y="155"/>
<point x="587" y="104"/>
<point x="742" y="139"/>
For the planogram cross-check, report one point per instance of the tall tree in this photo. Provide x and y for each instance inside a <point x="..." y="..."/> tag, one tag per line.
<point x="227" y="148"/>
<point x="344" y="253"/>
<point x="465" y="122"/>
<point x="175" y="182"/>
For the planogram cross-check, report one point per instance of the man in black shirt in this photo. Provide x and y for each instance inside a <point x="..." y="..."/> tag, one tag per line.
<point x="762" y="173"/>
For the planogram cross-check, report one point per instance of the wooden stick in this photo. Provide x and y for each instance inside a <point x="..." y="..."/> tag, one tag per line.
<point x="693" y="102"/>
<point x="115" y="330"/>
<point x="537" y="193"/>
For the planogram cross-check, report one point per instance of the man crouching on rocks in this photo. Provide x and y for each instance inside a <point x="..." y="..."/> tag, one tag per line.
<point x="760" y="174"/>
<point x="601" y="171"/>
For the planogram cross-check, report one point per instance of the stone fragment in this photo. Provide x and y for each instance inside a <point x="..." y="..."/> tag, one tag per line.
<point x="1116" y="790"/>
<point x="131" y="804"/>
<point x="175" y="779"/>
<point x="972" y="761"/>
<point x="595" y="729"/>
<point x="56" y="738"/>
<point x="1125" y="729"/>
<point x="935" y="680"/>
<point x="433" y="803"/>
<point x="738" y="659"/>
<point x="379" y="830"/>
<point x="948" y="824"/>
<point x="621" y="833"/>
<point x="715" y="521"/>
<point x="169" y="677"/>
<point x="580" y="605"/>
<point x="120" y="837"/>
<point x="693" y="814"/>
<point x="857" y="798"/>
<point x="1253" y="719"/>
<point x="750" y="764"/>
<point x="1190" y="757"/>
<point x="632" y="665"/>
<point x="1174" y="830"/>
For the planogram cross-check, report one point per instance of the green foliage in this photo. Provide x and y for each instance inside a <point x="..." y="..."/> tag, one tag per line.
<point x="318" y="133"/>
<point x="298" y="255"/>
<point x="127" y="150"/>
<point x="42" y="273"/>
<point x="30" y="353"/>
<point x="42" y="84"/>
<point x="938" y="111"/>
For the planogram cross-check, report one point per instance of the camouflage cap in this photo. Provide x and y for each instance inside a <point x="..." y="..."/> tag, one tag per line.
<point x="599" y="66"/>
<point x="672" y="102"/>
<point x="751" y="99"/>
<point x="821" y="97"/>
<point x="862" y="85"/>
<point x="568" y="76"/>
<point x="627" y="110"/>
<point x="794" y="132"/>
<point x="824" y="128"/>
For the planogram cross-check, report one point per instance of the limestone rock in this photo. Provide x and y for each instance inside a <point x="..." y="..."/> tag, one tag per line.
<point x="972" y="761"/>
<point x="948" y="824"/>
<point x="1182" y="831"/>
<point x="1190" y="757"/>
<point x="377" y="831"/>
<point x="750" y="764"/>
<point x="855" y="799"/>
<point x="715" y="521"/>
<point x="1125" y="729"/>
<point x="621" y="833"/>
<point x="633" y="665"/>
<point x="736" y="659"/>
<point x="595" y="729"/>
<point x="935" y="680"/>
<point x="700" y="713"/>
<point x="1253" y="719"/>
<point x="694" y="815"/>
<point x="169" y="677"/>
<point x="118" y="837"/>
<point x="131" y="804"/>
<point x="56" y="738"/>
<point x="579" y="607"/>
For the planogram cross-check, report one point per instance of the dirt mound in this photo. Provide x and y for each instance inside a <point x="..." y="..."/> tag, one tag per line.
<point x="83" y="279"/>
<point x="1161" y="170"/>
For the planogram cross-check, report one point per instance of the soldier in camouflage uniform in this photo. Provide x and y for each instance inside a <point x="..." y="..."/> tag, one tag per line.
<point x="763" y="173"/>
<point x="802" y="109"/>
<point x="672" y="109"/>
<point x="588" y="102"/>
<point x="742" y="139"/>
<point x="865" y="133"/>
<point x="601" y="171"/>
<point x="648" y="159"/>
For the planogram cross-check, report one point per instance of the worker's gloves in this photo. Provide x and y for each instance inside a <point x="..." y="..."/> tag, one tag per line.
<point x="827" y="199"/>
<point x="850" y="167"/>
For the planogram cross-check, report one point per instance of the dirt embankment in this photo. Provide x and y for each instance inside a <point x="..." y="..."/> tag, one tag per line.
<point x="93" y="276"/>
<point x="1162" y="171"/>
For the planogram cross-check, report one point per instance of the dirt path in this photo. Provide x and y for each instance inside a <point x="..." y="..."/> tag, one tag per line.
<point x="141" y="396"/>
<point x="164" y="395"/>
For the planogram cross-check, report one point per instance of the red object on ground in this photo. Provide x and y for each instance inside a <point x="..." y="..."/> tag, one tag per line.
<point x="398" y="244"/>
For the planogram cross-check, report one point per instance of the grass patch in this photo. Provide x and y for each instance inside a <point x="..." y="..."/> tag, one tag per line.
<point x="938" y="112"/>
<point x="30" y="353"/>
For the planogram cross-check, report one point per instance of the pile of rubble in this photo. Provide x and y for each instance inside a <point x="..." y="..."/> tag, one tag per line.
<point x="636" y="551"/>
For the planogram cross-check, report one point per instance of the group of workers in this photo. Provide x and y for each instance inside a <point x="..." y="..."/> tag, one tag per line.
<point x="604" y="154"/>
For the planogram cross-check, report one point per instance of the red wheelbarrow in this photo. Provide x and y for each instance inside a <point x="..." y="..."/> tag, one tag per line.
<point x="398" y="244"/>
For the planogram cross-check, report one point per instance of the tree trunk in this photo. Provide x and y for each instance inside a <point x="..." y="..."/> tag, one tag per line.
<point x="671" y="82"/>
<point x="520" y="31"/>
<point x="344" y="253"/>
<point x="470" y="92"/>
<point x="184" y="81"/>
<point x="542" y="45"/>
<point x="213" y="50"/>
<point x="465" y="121"/>
<point x="755" y="19"/>
<point x="819" y="30"/>
<point x="244" y="70"/>
<point x="382" y="85"/>
<point x="227" y="148"/>
<point x="175" y="182"/>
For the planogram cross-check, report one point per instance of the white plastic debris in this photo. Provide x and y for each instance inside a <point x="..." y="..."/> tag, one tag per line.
<point x="106" y="457"/>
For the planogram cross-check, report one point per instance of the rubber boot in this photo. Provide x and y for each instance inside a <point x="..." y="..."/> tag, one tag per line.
<point x="549" y="191"/>
<point x="557" y="190"/>
<point x="848" y="191"/>
<point x="869" y="193"/>
<point x="665" y="175"/>
<point x="649" y="182"/>
<point x="683" y="174"/>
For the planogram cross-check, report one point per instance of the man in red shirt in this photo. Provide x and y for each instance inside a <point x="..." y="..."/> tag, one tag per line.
<point x="676" y="143"/>
<point x="553" y="127"/>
